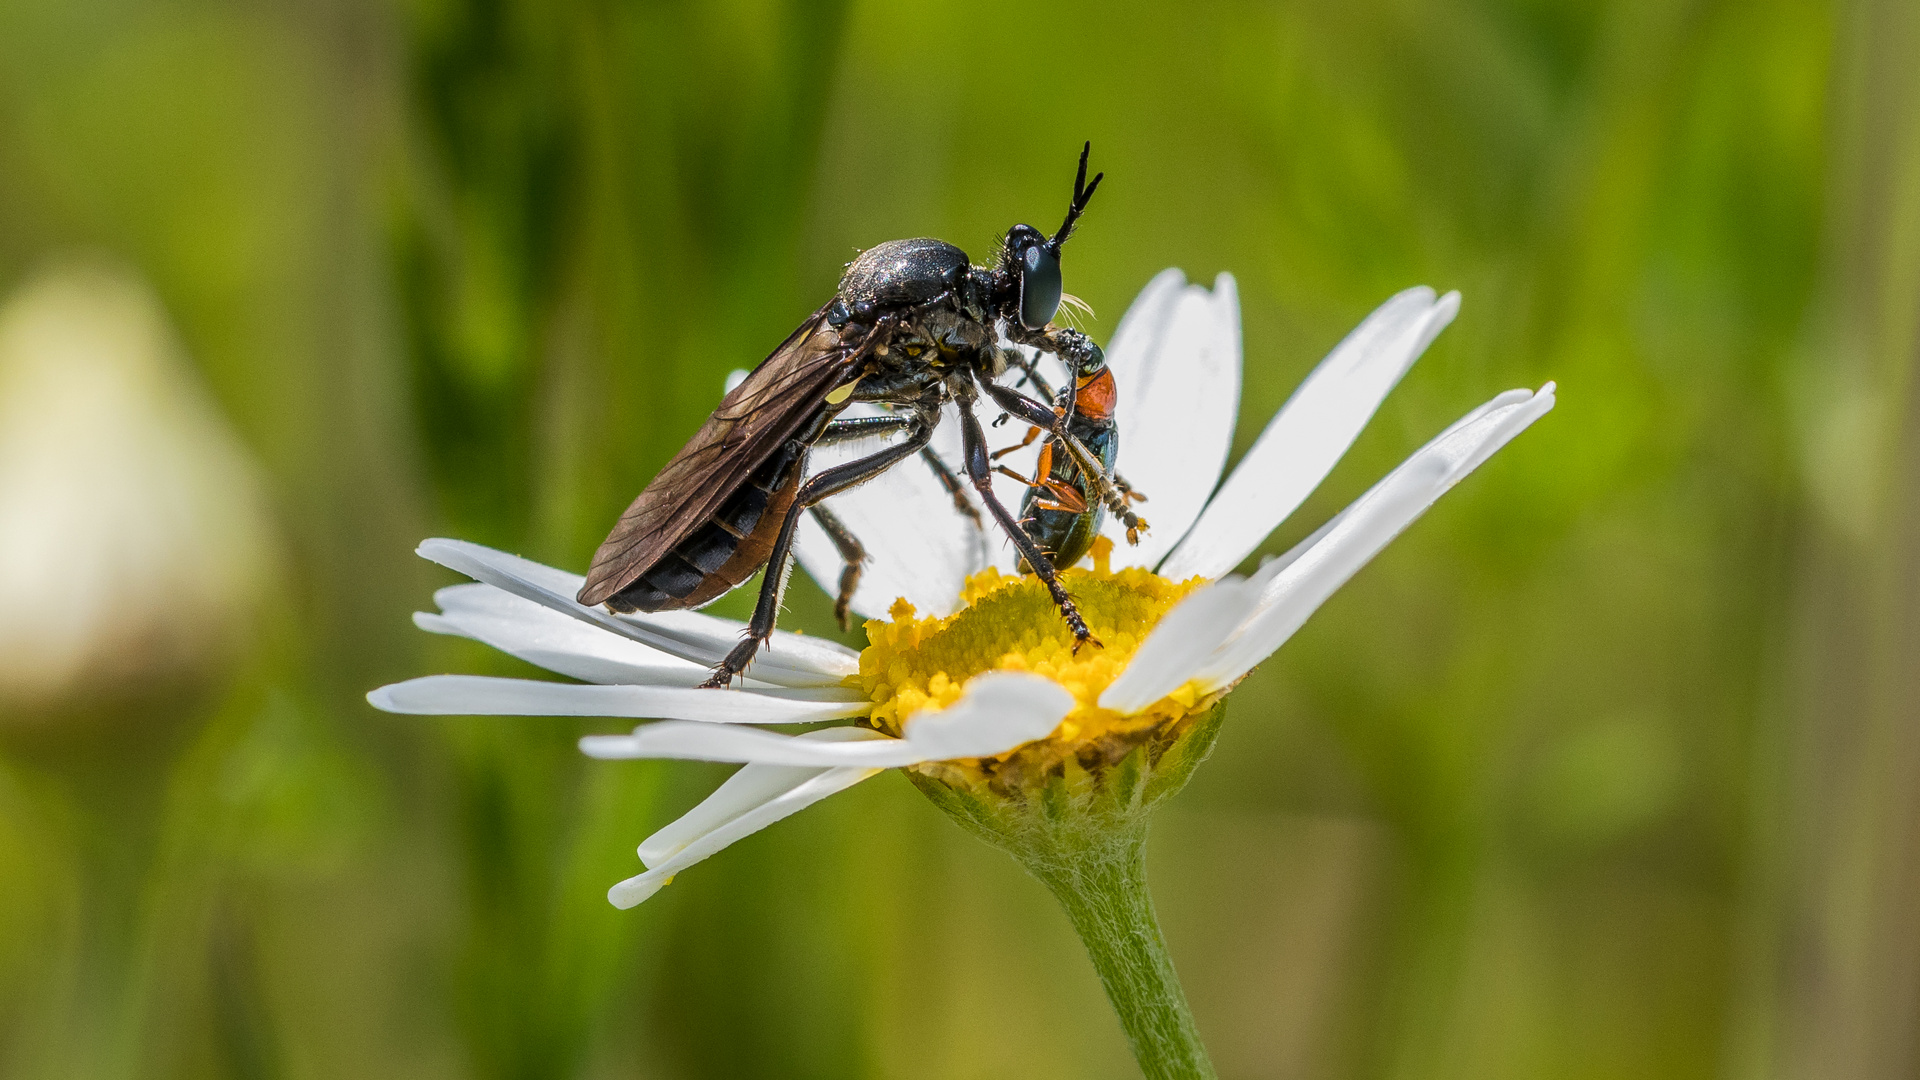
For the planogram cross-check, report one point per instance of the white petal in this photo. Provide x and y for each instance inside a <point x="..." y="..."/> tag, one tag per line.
<point x="483" y="695"/>
<point x="552" y="640"/>
<point x="999" y="711"/>
<point x="918" y="544"/>
<point x="1280" y="562"/>
<point x="1138" y="335"/>
<point x="1179" y="391"/>
<point x="822" y="783"/>
<point x="706" y="742"/>
<point x="1294" y="591"/>
<point x="1310" y="434"/>
<point x="749" y="788"/>
<point x="789" y="659"/>
<point x="1180" y="643"/>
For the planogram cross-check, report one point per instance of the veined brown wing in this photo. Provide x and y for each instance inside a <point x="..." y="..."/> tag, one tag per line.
<point x="765" y="410"/>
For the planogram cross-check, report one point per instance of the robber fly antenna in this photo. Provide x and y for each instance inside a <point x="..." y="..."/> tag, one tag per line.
<point x="1082" y="194"/>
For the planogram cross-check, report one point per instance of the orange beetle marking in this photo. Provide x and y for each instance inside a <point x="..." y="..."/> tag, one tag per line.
<point x="1093" y="395"/>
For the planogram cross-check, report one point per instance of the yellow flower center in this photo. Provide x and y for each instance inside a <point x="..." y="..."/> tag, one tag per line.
<point x="1010" y="623"/>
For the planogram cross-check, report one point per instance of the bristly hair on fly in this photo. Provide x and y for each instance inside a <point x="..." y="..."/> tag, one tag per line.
<point x="1075" y="312"/>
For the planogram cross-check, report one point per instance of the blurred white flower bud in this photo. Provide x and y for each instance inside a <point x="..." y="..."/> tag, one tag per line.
<point x="134" y="536"/>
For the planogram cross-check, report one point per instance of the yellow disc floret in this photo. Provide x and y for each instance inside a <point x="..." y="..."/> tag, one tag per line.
<point x="1010" y="623"/>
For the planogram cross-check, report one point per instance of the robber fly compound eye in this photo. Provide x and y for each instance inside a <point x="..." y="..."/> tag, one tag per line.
<point x="1039" y="286"/>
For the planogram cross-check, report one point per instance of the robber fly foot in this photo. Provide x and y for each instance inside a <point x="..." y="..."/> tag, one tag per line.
<point x="735" y="663"/>
<point x="965" y="509"/>
<point x="1071" y="612"/>
<point x="843" y="604"/>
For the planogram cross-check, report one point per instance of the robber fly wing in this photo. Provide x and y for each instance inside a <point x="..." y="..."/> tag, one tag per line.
<point x="753" y="419"/>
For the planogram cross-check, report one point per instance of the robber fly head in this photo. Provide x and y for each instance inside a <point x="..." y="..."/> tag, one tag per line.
<point x="1030" y="259"/>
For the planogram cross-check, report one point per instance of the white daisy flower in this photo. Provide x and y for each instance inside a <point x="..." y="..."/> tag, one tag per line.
<point x="970" y="680"/>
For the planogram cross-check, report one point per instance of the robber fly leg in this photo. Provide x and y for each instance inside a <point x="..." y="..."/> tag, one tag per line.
<point x="980" y="473"/>
<point x="1030" y="373"/>
<point x="852" y="552"/>
<point x="955" y="488"/>
<point x="1104" y="488"/>
<point x="1075" y="349"/>
<point x="860" y="427"/>
<point x="1041" y="416"/>
<point x="766" y="610"/>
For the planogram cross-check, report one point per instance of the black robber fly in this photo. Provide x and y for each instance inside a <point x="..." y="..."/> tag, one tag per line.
<point x="912" y="327"/>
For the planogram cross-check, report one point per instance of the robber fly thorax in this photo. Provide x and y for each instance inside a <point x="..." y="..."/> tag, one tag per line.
<point x="913" y="327"/>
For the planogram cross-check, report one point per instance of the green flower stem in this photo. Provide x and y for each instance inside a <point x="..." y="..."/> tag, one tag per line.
<point x="1083" y="832"/>
<point x="1104" y="890"/>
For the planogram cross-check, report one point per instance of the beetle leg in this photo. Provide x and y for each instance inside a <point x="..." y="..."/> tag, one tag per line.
<point x="980" y="473"/>
<point x="1042" y="469"/>
<point x="1065" y="497"/>
<point x="1032" y="434"/>
<point x="852" y="552"/>
<point x="766" y="610"/>
<point x="1104" y="488"/>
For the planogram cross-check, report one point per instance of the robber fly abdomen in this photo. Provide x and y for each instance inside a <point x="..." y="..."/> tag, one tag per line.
<point x="726" y="551"/>
<point x="914" y="326"/>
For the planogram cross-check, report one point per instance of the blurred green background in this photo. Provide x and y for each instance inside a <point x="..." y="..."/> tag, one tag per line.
<point x="1606" y="769"/>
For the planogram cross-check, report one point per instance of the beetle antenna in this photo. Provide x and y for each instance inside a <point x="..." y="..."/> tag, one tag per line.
<point x="1082" y="194"/>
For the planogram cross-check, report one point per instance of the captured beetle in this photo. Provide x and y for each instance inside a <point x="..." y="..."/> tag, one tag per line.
<point x="1068" y="497"/>
<point x="913" y="326"/>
